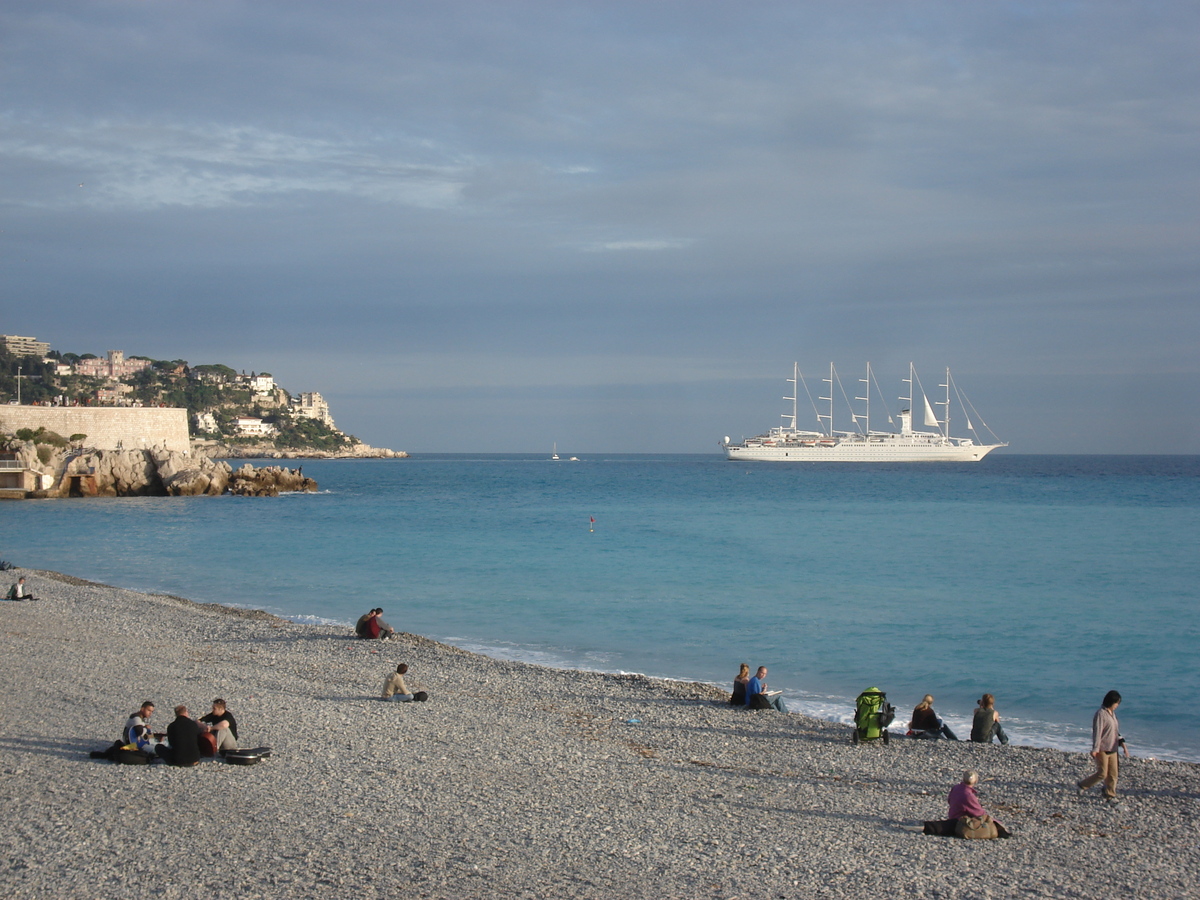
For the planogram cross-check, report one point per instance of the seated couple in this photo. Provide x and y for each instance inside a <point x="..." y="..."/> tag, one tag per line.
<point x="180" y="744"/>
<point x="371" y="626"/>
<point x="753" y="692"/>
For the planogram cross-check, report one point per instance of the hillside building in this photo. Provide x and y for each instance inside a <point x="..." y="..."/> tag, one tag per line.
<point x="312" y="405"/>
<point x="23" y="346"/>
<point x="114" y="366"/>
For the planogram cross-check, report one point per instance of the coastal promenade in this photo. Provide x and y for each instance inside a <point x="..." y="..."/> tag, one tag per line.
<point x="512" y="781"/>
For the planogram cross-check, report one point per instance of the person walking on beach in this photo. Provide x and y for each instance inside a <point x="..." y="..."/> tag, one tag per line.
<point x="986" y="723"/>
<point x="1106" y="741"/>
<point x="759" y="696"/>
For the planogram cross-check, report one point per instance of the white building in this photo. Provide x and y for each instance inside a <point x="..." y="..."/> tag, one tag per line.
<point x="262" y="384"/>
<point x="206" y="422"/>
<point x="312" y="405"/>
<point x="253" y="426"/>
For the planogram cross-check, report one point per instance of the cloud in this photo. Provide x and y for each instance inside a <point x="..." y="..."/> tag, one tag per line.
<point x="143" y="165"/>
<point x="643" y="245"/>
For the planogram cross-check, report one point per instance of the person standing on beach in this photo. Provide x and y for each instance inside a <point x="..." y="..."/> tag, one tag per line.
<point x="1106" y="741"/>
<point x="986" y="723"/>
<point x="757" y="696"/>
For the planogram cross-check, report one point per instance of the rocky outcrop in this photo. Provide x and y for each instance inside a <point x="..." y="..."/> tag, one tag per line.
<point x="191" y="476"/>
<point x="75" y="472"/>
<point x="268" y="482"/>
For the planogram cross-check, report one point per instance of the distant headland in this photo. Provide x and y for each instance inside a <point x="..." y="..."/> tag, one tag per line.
<point x="225" y="413"/>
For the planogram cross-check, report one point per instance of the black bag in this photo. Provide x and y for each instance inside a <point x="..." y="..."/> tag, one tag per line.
<point x="118" y="754"/>
<point x="420" y="697"/>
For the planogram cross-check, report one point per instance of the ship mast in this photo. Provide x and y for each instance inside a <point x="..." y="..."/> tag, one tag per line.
<point x="794" y="380"/>
<point x="867" y="392"/>
<point x="829" y="381"/>
<point x="946" y="405"/>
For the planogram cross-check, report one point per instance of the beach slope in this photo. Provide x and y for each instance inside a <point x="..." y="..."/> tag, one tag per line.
<point x="512" y="781"/>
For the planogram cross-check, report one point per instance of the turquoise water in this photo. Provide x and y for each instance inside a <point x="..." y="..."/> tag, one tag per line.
<point x="1044" y="580"/>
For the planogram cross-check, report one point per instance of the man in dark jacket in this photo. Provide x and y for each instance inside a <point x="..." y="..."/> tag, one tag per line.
<point x="183" y="740"/>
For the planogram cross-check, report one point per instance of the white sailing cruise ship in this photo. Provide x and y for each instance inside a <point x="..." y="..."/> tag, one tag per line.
<point x="786" y="443"/>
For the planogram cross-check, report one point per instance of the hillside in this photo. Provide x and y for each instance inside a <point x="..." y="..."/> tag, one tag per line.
<point x="229" y="413"/>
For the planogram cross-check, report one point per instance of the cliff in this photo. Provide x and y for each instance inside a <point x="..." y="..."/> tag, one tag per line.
<point x="156" y="472"/>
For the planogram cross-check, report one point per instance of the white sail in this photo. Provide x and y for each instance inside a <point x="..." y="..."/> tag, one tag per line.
<point x="930" y="419"/>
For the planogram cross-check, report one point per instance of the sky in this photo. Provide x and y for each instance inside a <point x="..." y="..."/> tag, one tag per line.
<point x="614" y="226"/>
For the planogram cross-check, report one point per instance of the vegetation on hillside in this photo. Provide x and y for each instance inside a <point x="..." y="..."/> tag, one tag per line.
<point x="215" y="389"/>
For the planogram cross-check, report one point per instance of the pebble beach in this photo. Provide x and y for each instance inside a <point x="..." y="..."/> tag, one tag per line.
<point x="513" y="780"/>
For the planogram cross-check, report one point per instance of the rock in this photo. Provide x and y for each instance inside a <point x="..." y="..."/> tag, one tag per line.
<point x="268" y="482"/>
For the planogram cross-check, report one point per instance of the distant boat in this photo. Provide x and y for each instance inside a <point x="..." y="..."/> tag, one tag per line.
<point x="786" y="443"/>
<point x="554" y="453"/>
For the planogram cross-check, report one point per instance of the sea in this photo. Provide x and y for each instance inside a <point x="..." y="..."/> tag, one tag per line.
<point x="1044" y="580"/>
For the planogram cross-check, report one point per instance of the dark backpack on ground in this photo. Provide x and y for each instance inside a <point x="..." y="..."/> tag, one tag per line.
<point x="420" y="697"/>
<point x="118" y="754"/>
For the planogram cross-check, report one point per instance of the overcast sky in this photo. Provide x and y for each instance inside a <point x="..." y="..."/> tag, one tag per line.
<point x="614" y="225"/>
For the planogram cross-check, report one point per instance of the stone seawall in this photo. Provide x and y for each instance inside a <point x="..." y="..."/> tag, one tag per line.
<point x="107" y="428"/>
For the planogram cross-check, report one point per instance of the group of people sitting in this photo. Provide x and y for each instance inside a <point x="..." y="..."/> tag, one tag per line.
<point x="183" y="743"/>
<point x="370" y="626"/>
<point x="19" y="592"/>
<point x="985" y="724"/>
<point x="754" y="693"/>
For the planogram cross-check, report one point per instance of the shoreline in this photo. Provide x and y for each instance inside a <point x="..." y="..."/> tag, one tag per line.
<point x="513" y="780"/>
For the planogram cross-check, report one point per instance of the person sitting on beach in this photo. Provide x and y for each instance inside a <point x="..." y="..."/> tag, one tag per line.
<point x="928" y="724"/>
<point x="395" y="688"/>
<point x="360" y="627"/>
<point x="386" y="631"/>
<point x="963" y="801"/>
<point x="182" y="747"/>
<point x="986" y="723"/>
<point x="137" y="729"/>
<point x="738" y="698"/>
<point x="18" y="591"/>
<point x="221" y="724"/>
<point x="758" y="696"/>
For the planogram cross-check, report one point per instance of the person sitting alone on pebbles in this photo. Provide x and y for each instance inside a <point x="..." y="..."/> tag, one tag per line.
<point x="738" y="698"/>
<point x="221" y="724"/>
<point x="928" y="724"/>
<point x="986" y="723"/>
<point x="395" y="689"/>
<point x="963" y="801"/>
<point x="19" y="592"/>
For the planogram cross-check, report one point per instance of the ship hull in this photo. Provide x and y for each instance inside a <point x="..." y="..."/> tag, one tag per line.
<point x="862" y="452"/>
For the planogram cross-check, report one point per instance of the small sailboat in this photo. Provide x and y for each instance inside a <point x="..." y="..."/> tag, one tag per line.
<point x="554" y="452"/>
